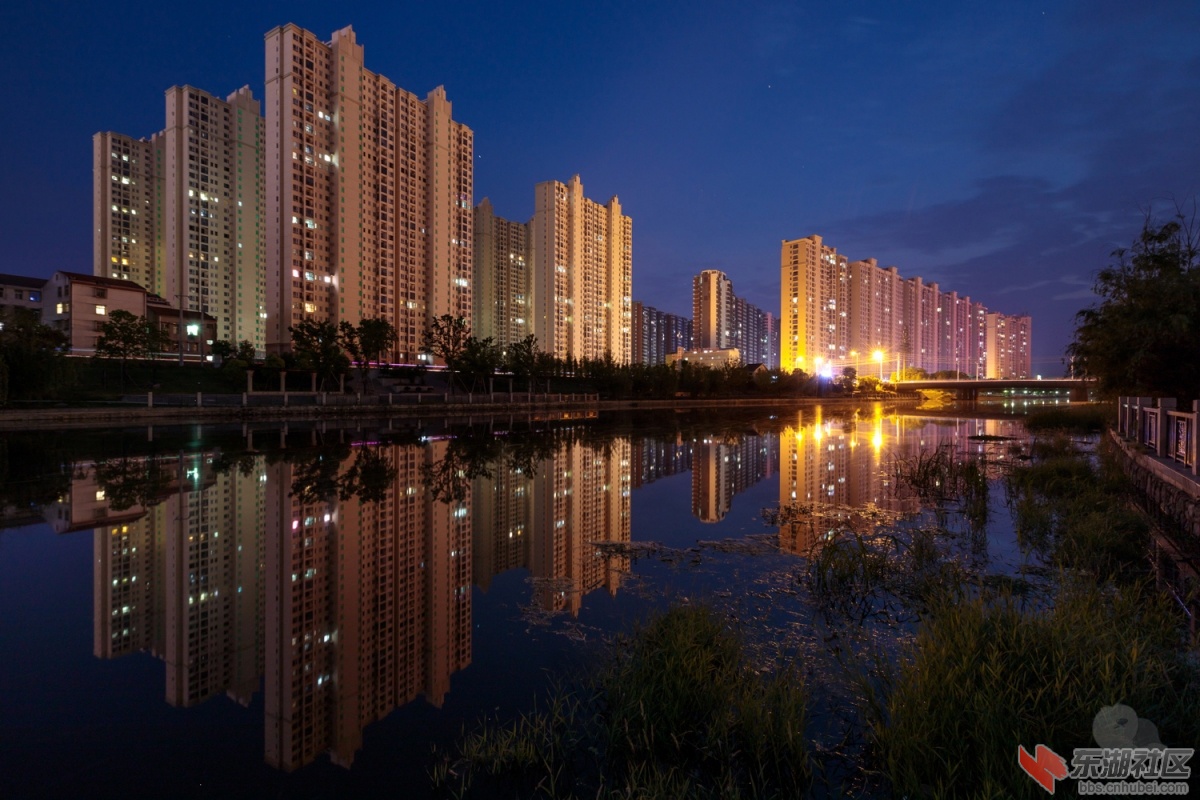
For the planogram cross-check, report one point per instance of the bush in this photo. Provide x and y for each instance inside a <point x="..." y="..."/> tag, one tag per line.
<point x="676" y="713"/>
<point x="984" y="677"/>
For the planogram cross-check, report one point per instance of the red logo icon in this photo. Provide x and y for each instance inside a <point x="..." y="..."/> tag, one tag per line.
<point x="1045" y="767"/>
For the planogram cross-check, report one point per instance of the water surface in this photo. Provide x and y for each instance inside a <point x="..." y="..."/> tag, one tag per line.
<point x="306" y="611"/>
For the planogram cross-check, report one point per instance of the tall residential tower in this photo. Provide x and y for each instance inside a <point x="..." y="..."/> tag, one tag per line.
<point x="583" y="274"/>
<point x="181" y="214"/>
<point x="369" y="194"/>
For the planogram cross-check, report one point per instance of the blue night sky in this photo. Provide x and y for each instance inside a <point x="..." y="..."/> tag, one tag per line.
<point x="1002" y="149"/>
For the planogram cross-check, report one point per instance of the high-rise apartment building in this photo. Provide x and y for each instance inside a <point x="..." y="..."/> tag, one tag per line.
<point x="503" y="277"/>
<point x="369" y="194"/>
<point x="814" y="307"/>
<point x="712" y="311"/>
<point x="368" y="605"/>
<point x="181" y="214"/>
<point x="876" y="308"/>
<point x="213" y="202"/>
<point x="837" y="313"/>
<point x="1008" y="346"/>
<point x="658" y="333"/>
<point x="722" y="321"/>
<point x="126" y="204"/>
<point x="583" y="274"/>
<point x="725" y="467"/>
<point x="548" y="521"/>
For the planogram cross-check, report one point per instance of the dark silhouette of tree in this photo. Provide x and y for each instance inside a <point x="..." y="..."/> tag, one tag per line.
<point x="317" y="346"/>
<point x="124" y="337"/>
<point x="521" y="359"/>
<point x="32" y="364"/>
<point x="321" y="475"/>
<point x="376" y="337"/>
<point x="479" y="361"/>
<point x="132" y="481"/>
<point x="1143" y="337"/>
<point x="446" y="338"/>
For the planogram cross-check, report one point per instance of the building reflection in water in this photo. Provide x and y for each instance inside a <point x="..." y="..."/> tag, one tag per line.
<point x="724" y="466"/>
<point x="839" y="473"/>
<point x="344" y="600"/>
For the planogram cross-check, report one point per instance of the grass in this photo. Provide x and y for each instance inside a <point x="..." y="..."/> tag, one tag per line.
<point x="992" y="663"/>
<point x="987" y="675"/>
<point x="940" y="478"/>
<point x="991" y="672"/>
<point x="1076" y="418"/>
<point x="674" y="713"/>
<point x="1078" y="511"/>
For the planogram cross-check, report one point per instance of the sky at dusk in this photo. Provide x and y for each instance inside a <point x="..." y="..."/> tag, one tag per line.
<point x="1001" y="149"/>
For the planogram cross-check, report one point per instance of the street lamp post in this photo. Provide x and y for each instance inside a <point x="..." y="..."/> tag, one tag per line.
<point x="878" y="356"/>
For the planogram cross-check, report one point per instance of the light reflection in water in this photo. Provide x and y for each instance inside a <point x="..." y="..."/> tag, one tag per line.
<point x="340" y="579"/>
<point x="346" y="598"/>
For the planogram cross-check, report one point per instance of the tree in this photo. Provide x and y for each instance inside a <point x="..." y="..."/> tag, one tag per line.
<point x="912" y="374"/>
<point x="376" y="337"/>
<point x="125" y="336"/>
<point x="868" y="384"/>
<point x="1143" y="337"/>
<point x="31" y="356"/>
<point x="317" y="346"/>
<point x="479" y="361"/>
<point x="348" y="337"/>
<point x="245" y="351"/>
<point x="366" y="342"/>
<point x="446" y="338"/>
<point x="521" y="358"/>
<point x="223" y="349"/>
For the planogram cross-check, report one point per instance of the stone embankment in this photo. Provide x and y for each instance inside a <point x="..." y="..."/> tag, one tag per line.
<point x="1170" y="492"/>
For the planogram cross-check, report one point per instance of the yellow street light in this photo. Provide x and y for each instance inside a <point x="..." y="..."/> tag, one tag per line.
<point x="878" y="356"/>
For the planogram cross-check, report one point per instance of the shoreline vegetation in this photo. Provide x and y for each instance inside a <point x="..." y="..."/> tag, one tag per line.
<point x="980" y="663"/>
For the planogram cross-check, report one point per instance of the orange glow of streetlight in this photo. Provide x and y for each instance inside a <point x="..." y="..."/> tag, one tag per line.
<point x="878" y="356"/>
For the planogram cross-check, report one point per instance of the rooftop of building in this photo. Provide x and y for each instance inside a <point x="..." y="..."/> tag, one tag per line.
<point x="22" y="280"/>
<point x="100" y="280"/>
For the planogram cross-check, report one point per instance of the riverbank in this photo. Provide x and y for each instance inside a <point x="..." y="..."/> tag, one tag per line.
<point x="221" y="408"/>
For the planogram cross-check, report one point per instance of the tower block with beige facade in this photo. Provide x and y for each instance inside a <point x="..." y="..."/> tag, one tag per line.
<point x="181" y="214"/>
<point x="582" y="274"/>
<point x="503" y="281"/>
<point x="814" y="306"/>
<point x="837" y="314"/>
<point x="369" y="194"/>
<point x="213" y="199"/>
<point x="126" y="205"/>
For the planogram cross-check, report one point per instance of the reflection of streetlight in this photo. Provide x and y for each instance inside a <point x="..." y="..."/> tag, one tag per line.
<point x="878" y="356"/>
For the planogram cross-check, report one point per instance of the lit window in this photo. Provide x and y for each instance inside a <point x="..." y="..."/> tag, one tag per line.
<point x="101" y="310"/>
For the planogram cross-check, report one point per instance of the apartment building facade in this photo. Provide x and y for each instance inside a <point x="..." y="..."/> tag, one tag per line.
<point x="503" y="277"/>
<point x="657" y="333"/>
<point x="181" y="213"/>
<point x="1008" y="343"/>
<point x="583" y="274"/>
<point x="837" y="313"/>
<point x="369" y="194"/>
<point x="722" y="320"/>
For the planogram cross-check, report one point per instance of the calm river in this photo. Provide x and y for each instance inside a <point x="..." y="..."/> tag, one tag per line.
<point x="306" y="611"/>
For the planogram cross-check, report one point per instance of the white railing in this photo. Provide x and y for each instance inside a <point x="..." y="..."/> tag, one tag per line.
<point x="1161" y="427"/>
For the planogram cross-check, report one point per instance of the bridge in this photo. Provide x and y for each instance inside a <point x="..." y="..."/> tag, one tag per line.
<point x="970" y="389"/>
